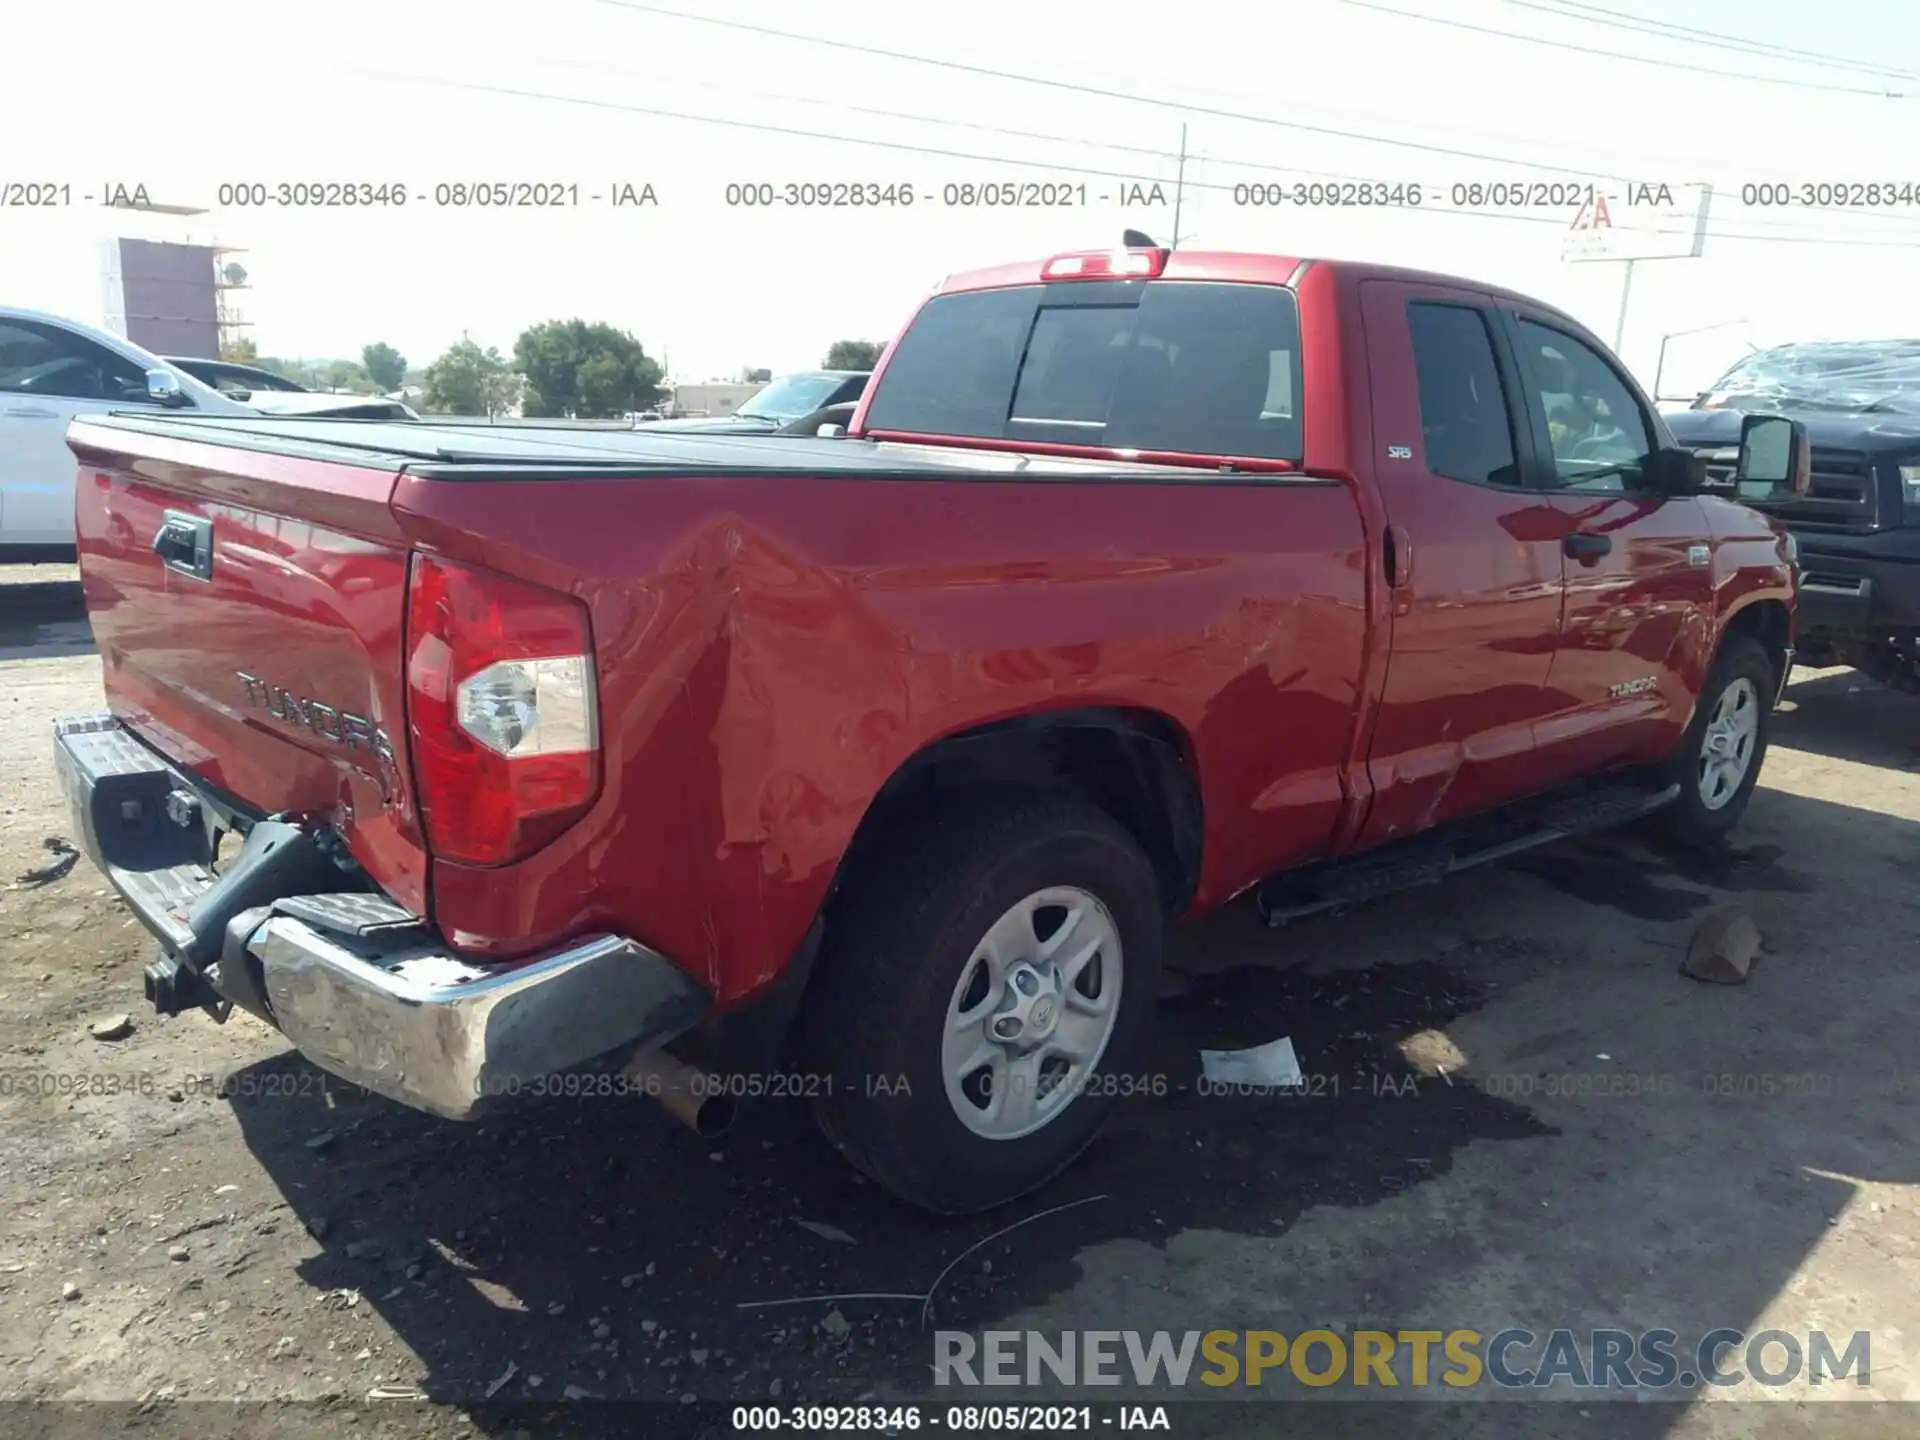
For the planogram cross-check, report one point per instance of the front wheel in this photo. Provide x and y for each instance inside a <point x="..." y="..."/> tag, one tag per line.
<point x="984" y="1000"/>
<point x="1718" y="762"/>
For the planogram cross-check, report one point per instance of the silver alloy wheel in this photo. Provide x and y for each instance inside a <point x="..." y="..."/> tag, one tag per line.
<point x="1726" y="750"/>
<point x="1032" y="1013"/>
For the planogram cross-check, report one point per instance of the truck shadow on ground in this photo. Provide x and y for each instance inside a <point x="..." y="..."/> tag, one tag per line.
<point x="594" y="1243"/>
<point x="1845" y="716"/>
<point x="1639" y="875"/>
<point x="598" y="1247"/>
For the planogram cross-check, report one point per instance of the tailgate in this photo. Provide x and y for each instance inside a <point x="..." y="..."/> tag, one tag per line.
<point x="249" y="610"/>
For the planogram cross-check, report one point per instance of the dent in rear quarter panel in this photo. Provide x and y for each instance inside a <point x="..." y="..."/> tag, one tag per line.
<point x="770" y="650"/>
<point x="302" y="603"/>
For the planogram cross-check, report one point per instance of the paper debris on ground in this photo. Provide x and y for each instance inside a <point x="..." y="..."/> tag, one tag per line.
<point x="1269" y="1066"/>
<point x="826" y="1231"/>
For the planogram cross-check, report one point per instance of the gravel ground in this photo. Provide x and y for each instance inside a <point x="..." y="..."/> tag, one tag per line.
<point x="195" y="1213"/>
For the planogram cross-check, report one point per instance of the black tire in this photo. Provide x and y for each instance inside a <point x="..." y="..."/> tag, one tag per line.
<point x="1690" y="820"/>
<point x="897" y="946"/>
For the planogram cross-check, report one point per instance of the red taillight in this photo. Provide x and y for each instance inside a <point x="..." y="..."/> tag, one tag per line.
<point x="1106" y="265"/>
<point x="501" y="710"/>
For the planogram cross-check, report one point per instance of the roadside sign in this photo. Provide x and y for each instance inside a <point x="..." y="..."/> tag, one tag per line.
<point x="1639" y="221"/>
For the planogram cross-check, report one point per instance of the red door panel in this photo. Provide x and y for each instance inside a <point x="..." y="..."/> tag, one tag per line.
<point x="1639" y="590"/>
<point x="1477" y="612"/>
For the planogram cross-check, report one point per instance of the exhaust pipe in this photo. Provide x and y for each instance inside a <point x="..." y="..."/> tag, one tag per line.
<point x="694" y="1098"/>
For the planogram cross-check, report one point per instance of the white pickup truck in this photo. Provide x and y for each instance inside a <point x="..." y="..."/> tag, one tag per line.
<point x="53" y="369"/>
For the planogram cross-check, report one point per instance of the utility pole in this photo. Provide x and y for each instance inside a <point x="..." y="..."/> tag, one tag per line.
<point x="1179" y="185"/>
<point x="1626" y="293"/>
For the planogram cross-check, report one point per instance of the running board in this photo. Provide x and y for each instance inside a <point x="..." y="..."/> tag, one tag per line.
<point x="1427" y="859"/>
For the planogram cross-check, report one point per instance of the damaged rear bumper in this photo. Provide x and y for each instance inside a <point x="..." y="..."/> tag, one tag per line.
<point x="360" y="986"/>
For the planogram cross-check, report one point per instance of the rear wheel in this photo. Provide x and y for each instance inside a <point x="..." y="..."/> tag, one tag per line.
<point x="980" y="1000"/>
<point x="1718" y="761"/>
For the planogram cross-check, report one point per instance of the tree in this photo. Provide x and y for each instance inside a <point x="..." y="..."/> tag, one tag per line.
<point x="852" y="355"/>
<point x="755" y="375"/>
<point x="386" y="366"/>
<point x="240" y="351"/>
<point x="298" y="371"/>
<point x="470" y="381"/>
<point x="586" y="371"/>
<point x="347" y="375"/>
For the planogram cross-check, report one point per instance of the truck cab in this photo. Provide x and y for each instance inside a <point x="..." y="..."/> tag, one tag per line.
<point x="1139" y="580"/>
<point x="1856" y="528"/>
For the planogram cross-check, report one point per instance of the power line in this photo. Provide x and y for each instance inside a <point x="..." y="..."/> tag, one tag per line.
<point x="909" y="148"/>
<point x="1263" y="166"/>
<point x="1135" y="98"/>
<point x="1078" y="88"/>
<point x="1129" y="97"/>
<point x="1739" y="45"/>
<point x="1619" y="54"/>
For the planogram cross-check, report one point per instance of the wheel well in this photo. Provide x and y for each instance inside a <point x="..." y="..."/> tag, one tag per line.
<point x="1768" y="622"/>
<point x="1133" y="764"/>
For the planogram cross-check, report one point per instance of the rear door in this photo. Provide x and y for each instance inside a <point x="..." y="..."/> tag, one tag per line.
<point x="1637" y="562"/>
<point x="1476" y="596"/>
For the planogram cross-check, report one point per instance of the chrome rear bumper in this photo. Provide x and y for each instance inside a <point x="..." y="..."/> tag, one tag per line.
<point x="443" y="1036"/>
<point x="359" y="986"/>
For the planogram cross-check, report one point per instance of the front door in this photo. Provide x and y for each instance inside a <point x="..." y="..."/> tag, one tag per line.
<point x="1638" y="562"/>
<point x="1476" y="589"/>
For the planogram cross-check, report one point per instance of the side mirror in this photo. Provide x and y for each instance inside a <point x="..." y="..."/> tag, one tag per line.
<point x="1776" y="459"/>
<point x="241" y="395"/>
<point x="163" y="388"/>
<point x="836" y="417"/>
<point x="831" y="432"/>
<point x="1676" y="470"/>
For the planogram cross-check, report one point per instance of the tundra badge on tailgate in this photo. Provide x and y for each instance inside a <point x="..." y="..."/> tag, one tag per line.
<point x="356" y="732"/>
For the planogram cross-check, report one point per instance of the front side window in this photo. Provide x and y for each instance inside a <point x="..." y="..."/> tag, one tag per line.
<point x="1598" y="433"/>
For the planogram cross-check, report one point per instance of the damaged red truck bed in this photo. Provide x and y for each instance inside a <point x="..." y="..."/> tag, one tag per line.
<point x="1139" y="580"/>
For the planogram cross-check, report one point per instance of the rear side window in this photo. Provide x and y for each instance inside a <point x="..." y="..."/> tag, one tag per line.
<point x="1464" y="419"/>
<point x="1174" y="366"/>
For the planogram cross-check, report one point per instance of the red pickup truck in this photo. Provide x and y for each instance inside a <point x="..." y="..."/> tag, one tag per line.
<point x="1137" y="580"/>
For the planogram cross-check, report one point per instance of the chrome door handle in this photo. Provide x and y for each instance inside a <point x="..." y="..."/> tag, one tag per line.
<point x="31" y="412"/>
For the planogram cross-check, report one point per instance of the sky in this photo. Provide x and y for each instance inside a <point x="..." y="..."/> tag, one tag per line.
<point x="432" y="93"/>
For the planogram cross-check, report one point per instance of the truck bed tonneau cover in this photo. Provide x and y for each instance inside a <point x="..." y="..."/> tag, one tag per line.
<point x="452" y="451"/>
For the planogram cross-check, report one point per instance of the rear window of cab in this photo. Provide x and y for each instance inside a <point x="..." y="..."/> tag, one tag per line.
<point x="1183" y="367"/>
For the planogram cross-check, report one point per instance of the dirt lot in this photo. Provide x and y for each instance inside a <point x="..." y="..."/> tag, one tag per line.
<point x="238" y="1227"/>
